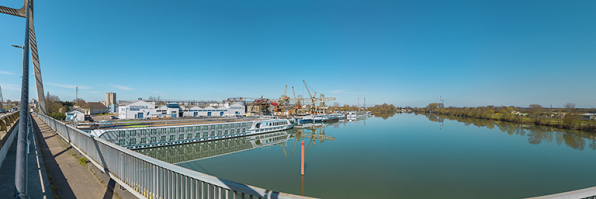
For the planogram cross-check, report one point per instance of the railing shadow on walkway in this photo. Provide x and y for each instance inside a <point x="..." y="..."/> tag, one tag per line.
<point x="64" y="189"/>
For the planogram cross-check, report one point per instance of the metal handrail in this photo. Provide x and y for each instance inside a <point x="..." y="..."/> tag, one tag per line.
<point x="6" y="123"/>
<point x="147" y="177"/>
<point x="8" y="120"/>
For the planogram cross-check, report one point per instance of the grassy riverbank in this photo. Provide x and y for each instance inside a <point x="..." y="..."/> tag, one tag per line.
<point x="571" y="119"/>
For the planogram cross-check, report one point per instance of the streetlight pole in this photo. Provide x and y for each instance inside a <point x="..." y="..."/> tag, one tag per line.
<point x="21" y="161"/>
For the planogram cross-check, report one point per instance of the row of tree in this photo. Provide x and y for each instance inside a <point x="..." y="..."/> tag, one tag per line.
<point x="566" y="118"/>
<point x="57" y="108"/>
<point x="536" y="133"/>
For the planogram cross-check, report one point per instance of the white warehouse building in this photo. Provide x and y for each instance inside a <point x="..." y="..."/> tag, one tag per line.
<point x="224" y="110"/>
<point x="142" y="110"/>
<point x="136" y="110"/>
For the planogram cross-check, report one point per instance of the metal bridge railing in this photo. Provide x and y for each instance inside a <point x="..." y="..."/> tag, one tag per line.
<point x="147" y="177"/>
<point x="6" y="122"/>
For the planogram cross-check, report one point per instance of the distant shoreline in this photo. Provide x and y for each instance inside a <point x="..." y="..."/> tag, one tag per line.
<point x="571" y="123"/>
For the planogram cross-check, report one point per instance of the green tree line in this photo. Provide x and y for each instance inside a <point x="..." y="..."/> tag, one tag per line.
<point x="568" y="117"/>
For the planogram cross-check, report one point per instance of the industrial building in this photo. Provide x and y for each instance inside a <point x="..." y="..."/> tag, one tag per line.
<point x="111" y="102"/>
<point x="142" y="110"/>
<point x="76" y="115"/>
<point x="136" y="110"/>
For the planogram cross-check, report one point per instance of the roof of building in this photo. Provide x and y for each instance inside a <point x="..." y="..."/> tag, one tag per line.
<point x="78" y="110"/>
<point x="96" y="105"/>
<point x="173" y="105"/>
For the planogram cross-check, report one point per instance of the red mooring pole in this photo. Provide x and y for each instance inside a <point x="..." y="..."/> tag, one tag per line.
<point x="302" y="165"/>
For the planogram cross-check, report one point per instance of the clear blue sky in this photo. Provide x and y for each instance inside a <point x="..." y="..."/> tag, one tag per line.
<point x="403" y="52"/>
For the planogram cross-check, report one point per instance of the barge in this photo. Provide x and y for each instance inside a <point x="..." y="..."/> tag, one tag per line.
<point x="158" y="136"/>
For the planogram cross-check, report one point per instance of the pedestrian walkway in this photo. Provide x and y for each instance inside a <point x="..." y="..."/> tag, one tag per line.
<point x="38" y="185"/>
<point x="69" y="178"/>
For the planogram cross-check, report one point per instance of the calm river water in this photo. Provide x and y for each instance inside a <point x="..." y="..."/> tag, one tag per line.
<point x="404" y="156"/>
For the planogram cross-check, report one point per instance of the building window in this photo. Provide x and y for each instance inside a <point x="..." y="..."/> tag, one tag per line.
<point x="212" y="133"/>
<point x="172" y="130"/>
<point x="189" y="129"/>
<point x="121" y="142"/>
<point x="163" y="138"/>
<point x="219" y="126"/>
<point x="143" y="132"/>
<point x="181" y="137"/>
<point x="225" y="132"/>
<point x="189" y="136"/>
<point x="206" y="134"/>
<point x="153" y="131"/>
<point x="243" y="124"/>
<point x="212" y="127"/>
<point x="143" y="140"/>
<point x="225" y="126"/>
<point x="181" y="129"/>
<point x="133" y="141"/>
<point x="198" y="135"/>
<point x="121" y="134"/>
<point x="218" y="133"/>
<point x="133" y="133"/>
<point x="238" y="131"/>
<point x="153" y="139"/>
<point x="163" y="131"/>
<point x="197" y="128"/>
<point x="172" y="137"/>
<point x="243" y="130"/>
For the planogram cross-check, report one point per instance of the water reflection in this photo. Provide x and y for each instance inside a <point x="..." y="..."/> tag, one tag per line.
<point x="202" y="150"/>
<point x="311" y="133"/>
<point x="385" y="116"/>
<point x="536" y="134"/>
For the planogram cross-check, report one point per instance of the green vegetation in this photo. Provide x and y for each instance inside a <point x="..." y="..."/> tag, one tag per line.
<point x="83" y="161"/>
<point x="536" y="133"/>
<point x="383" y="111"/>
<point x="57" y="115"/>
<point x="567" y="118"/>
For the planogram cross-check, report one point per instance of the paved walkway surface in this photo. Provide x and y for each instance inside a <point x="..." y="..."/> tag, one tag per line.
<point x="69" y="178"/>
<point x="38" y="185"/>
